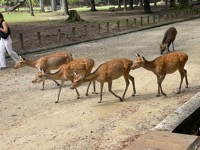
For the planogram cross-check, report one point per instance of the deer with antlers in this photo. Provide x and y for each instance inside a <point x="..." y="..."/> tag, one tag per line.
<point x="163" y="65"/>
<point x="46" y="63"/>
<point x="82" y="66"/>
<point x="107" y="72"/>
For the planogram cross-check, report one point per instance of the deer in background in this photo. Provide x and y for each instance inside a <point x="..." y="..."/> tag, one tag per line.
<point x="168" y="38"/>
<point x="46" y="63"/>
<point x="82" y="66"/>
<point x="107" y="72"/>
<point x="163" y="65"/>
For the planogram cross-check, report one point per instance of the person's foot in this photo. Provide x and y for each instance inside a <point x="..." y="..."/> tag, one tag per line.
<point x="2" y="68"/>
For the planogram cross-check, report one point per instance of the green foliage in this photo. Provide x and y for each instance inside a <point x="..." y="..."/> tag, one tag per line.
<point x="72" y="1"/>
<point x="3" y="2"/>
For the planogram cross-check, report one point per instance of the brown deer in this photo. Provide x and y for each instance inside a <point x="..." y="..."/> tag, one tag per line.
<point x="107" y="72"/>
<point x="46" y="63"/>
<point x="163" y="65"/>
<point x="66" y="72"/>
<point x="168" y="38"/>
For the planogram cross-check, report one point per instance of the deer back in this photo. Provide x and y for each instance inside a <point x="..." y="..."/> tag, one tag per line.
<point x="169" y="35"/>
<point x="169" y="63"/>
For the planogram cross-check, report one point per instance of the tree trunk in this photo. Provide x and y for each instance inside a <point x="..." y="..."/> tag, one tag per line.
<point x="125" y="5"/>
<point x="74" y="16"/>
<point x="184" y="3"/>
<point x="53" y="5"/>
<point x="64" y="6"/>
<point x="16" y="6"/>
<point x="131" y="4"/>
<point x="119" y="3"/>
<point x="147" y="8"/>
<point x="172" y="3"/>
<point x="42" y="5"/>
<point x="93" y="8"/>
<point x="31" y="8"/>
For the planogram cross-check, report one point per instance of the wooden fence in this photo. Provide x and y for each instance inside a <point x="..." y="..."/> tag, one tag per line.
<point x="102" y="29"/>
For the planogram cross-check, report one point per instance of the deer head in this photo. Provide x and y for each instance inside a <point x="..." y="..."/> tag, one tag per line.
<point x="138" y="62"/>
<point x="21" y="63"/>
<point x="39" y="77"/>
<point x="162" y="48"/>
<point x="77" y="81"/>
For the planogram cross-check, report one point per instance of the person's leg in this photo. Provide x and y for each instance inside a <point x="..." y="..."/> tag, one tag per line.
<point x="8" y="45"/>
<point x="2" y="55"/>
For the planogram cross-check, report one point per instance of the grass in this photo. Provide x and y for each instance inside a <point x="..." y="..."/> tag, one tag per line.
<point x="25" y="17"/>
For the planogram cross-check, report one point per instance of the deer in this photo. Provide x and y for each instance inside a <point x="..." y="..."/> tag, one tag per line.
<point x="83" y="66"/>
<point x="107" y="72"/>
<point x="168" y="38"/>
<point x="46" y="63"/>
<point x="163" y="65"/>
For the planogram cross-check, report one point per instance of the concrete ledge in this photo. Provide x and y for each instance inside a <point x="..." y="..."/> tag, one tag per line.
<point x="179" y="115"/>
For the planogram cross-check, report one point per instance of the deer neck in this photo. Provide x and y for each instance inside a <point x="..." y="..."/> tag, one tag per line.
<point x="55" y="76"/>
<point x="150" y="65"/>
<point x="91" y="77"/>
<point x="31" y="63"/>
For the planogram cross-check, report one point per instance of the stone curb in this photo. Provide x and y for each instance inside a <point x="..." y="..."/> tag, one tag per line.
<point x="179" y="115"/>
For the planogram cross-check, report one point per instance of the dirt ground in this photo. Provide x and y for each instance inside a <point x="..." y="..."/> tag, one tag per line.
<point x="29" y="118"/>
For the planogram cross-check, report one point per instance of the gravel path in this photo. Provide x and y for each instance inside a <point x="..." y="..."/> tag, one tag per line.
<point x="29" y="118"/>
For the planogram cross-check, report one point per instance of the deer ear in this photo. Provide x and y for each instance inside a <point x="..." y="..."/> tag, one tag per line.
<point x="42" y="71"/>
<point x="143" y="59"/>
<point x="75" y="74"/>
<point x="137" y="55"/>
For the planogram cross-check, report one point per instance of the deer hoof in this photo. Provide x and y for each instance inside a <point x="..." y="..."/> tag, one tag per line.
<point x="78" y="97"/>
<point x="56" y="102"/>
<point x="86" y="94"/>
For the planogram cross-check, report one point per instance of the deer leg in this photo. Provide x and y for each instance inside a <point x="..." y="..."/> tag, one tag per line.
<point x="183" y="74"/>
<point x="186" y="80"/>
<point x="159" y="81"/>
<point x="127" y="84"/>
<point x="160" y="84"/>
<point x="88" y="88"/>
<point x="56" y="83"/>
<point x="61" y="85"/>
<point x="110" y="90"/>
<point x="173" y="45"/>
<point x="43" y="83"/>
<point x="133" y="84"/>
<point x="94" y="88"/>
<point x="101" y="90"/>
<point x="78" y="95"/>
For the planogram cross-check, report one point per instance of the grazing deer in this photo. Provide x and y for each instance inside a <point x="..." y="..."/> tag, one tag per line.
<point x="168" y="38"/>
<point x="66" y="72"/>
<point x="163" y="65"/>
<point x="107" y="72"/>
<point x="46" y="63"/>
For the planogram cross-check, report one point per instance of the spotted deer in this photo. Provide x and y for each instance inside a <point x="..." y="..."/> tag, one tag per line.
<point x="168" y="38"/>
<point x="46" y="63"/>
<point x="163" y="65"/>
<point x="107" y="72"/>
<point x="82" y="66"/>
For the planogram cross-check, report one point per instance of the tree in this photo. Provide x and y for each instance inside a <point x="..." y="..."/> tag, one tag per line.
<point x="131" y="4"/>
<point x="147" y="8"/>
<point x="42" y="5"/>
<point x="184" y="3"/>
<point x="53" y="5"/>
<point x="65" y="8"/>
<point x="125" y="5"/>
<point x="31" y="8"/>
<point x="93" y="8"/>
